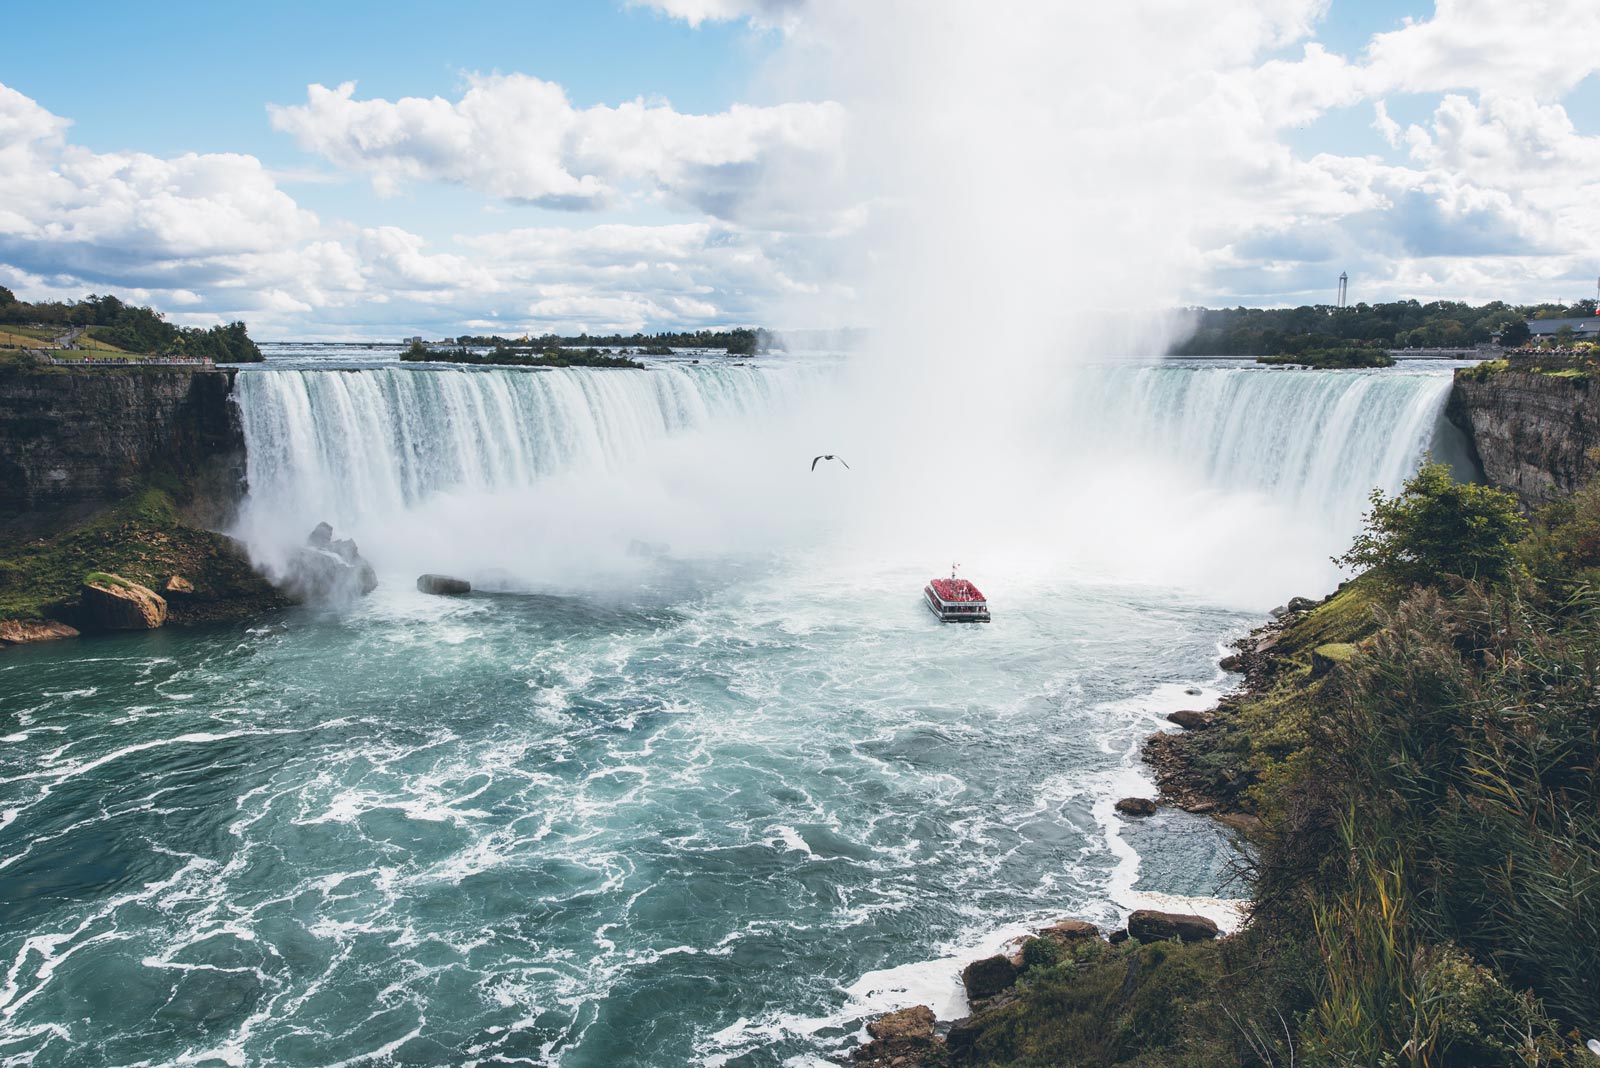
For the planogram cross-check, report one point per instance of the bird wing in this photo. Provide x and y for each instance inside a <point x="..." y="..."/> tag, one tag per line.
<point x="841" y="460"/>
<point x="814" y="460"/>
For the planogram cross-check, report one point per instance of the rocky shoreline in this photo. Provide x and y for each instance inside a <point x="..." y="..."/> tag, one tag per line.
<point x="912" y="1037"/>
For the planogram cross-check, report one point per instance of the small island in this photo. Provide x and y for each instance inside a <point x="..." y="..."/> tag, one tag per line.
<point x="505" y="356"/>
<point x="1343" y="358"/>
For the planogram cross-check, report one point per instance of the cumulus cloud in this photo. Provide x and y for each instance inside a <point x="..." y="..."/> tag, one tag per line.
<point x="130" y="216"/>
<point x="519" y="138"/>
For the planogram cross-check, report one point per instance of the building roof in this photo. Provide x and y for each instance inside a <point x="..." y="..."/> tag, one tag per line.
<point x="1589" y="324"/>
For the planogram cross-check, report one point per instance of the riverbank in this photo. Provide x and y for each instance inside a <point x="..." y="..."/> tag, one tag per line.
<point x="201" y="576"/>
<point x="1418" y="773"/>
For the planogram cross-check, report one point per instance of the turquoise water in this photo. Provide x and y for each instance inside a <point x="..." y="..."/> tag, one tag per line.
<point x="652" y="831"/>
<point x="707" y="805"/>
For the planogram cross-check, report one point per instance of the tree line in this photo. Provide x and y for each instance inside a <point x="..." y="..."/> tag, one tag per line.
<point x="1394" y="325"/>
<point x="132" y="328"/>
<point x="742" y="341"/>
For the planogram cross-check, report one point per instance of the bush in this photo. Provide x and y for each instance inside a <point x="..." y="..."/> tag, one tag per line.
<point x="1439" y="527"/>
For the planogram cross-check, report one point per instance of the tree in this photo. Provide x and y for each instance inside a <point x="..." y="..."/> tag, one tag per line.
<point x="7" y="297"/>
<point x="1515" y="334"/>
<point x="1437" y="527"/>
<point x="1565" y="336"/>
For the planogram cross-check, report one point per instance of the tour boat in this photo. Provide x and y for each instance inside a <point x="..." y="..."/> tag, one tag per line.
<point x="955" y="600"/>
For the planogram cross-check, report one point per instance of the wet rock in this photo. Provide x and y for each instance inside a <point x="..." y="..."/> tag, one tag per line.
<point x="1136" y="806"/>
<point x="1192" y="719"/>
<point x="1118" y="937"/>
<point x="1234" y="663"/>
<point x="1148" y="925"/>
<point x="443" y="585"/>
<point x="915" y="1022"/>
<point x="27" y="631"/>
<point x="987" y="977"/>
<point x="178" y="585"/>
<point x="111" y="602"/>
<point x="903" y="1039"/>
<point x="328" y="570"/>
<point x="1068" y="931"/>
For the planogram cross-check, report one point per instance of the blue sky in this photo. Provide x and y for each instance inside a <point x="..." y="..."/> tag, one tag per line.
<point x="489" y="169"/>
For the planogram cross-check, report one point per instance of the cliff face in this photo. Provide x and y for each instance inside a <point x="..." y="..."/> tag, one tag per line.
<point x="71" y="437"/>
<point x="1535" y="435"/>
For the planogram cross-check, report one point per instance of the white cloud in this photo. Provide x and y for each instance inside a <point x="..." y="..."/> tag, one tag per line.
<point x="760" y="12"/>
<point x="64" y="209"/>
<point x="518" y="137"/>
<point x="1532" y="48"/>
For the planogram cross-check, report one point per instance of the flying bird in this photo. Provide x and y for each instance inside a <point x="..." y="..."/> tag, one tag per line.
<point x="818" y="459"/>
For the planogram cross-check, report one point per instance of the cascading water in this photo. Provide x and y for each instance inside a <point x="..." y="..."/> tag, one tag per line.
<point x="349" y="444"/>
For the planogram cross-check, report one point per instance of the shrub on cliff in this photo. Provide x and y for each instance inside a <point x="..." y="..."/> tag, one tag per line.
<point x="1438" y="527"/>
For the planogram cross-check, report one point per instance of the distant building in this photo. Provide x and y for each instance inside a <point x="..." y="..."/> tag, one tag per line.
<point x="1585" y="329"/>
<point x="413" y="341"/>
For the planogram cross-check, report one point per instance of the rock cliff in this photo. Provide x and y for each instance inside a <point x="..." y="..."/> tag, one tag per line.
<point x="1535" y="434"/>
<point x="72" y="438"/>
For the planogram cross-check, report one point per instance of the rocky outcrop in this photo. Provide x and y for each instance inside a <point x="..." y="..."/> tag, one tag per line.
<point x="328" y="569"/>
<point x="178" y="586"/>
<point x="990" y="976"/>
<point x="111" y="602"/>
<point x="1148" y="925"/>
<point x="83" y="437"/>
<point x="1192" y="719"/>
<point x="26" y="632"/>
<point x="899" y="1040"/>
<point x="443" y="585"/>
<point x="1534" y="434"/>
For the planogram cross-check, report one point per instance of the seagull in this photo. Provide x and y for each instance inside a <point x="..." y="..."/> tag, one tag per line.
<point x="818" y="459"/>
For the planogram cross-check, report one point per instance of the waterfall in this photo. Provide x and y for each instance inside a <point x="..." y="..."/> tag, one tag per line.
<point x="1235" y="478"/>
<point x="343" y="445"/>
<point x="1313" y="442"/>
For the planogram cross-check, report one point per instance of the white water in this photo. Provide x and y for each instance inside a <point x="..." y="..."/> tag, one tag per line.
<point x="1159" y="473"/>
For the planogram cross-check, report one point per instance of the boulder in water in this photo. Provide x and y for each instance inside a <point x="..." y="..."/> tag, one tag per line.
<point x="443" y="585"/>
<point x="111" y="602"/>
<point x="1192" y="719"/>
<point x="1136" y="806"/>
<point x="328" y="570"/>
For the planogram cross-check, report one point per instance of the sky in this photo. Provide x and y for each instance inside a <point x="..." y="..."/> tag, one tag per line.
<point x="364" y="170"/>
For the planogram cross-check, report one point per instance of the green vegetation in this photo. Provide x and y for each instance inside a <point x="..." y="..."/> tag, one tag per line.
<point x="142" y="538"/>
<point x="108" y="325"/>
<point x="1427" y="882"/>
<point x="1437" y="528"/>
<point x="1332" y="359"/>
<point x="503" y="356"/>
<point x="1400" y="324"/>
